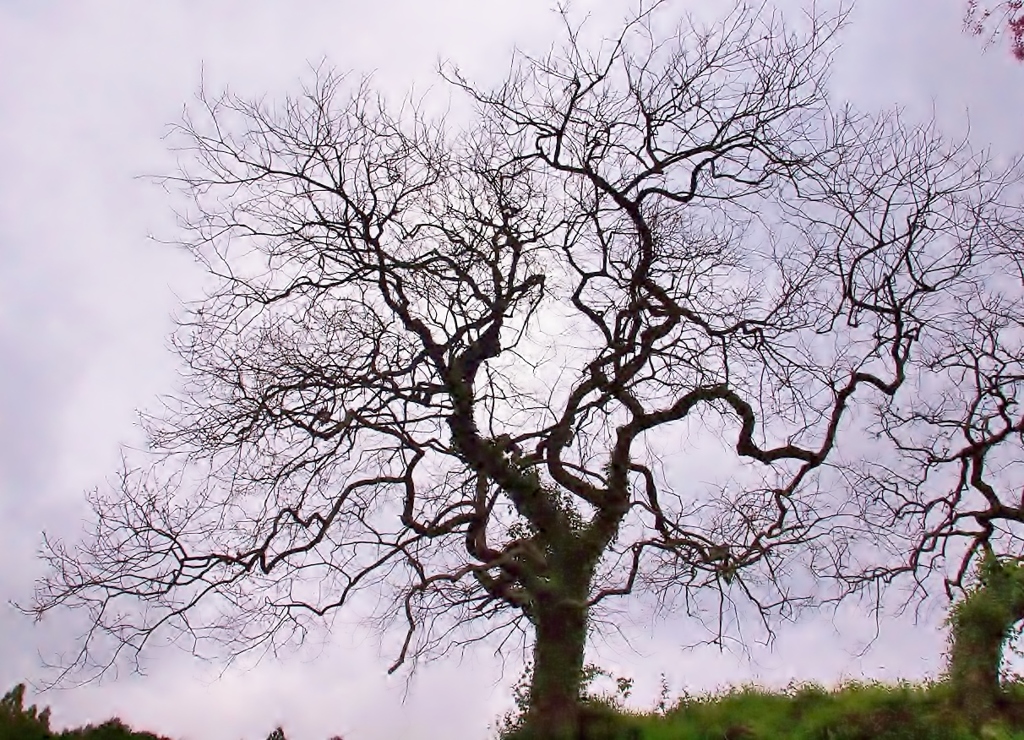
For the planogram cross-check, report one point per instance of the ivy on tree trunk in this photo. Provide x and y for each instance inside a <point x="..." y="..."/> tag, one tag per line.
<point x="980" y="625"/>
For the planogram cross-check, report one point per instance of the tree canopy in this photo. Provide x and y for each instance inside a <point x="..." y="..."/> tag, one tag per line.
<point x="645" y="322"/>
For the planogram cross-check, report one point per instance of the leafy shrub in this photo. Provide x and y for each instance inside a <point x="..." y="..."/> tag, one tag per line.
<point x="602" y="715"/>
<point x="19" y="723"/>
<point x="112" y="729"/>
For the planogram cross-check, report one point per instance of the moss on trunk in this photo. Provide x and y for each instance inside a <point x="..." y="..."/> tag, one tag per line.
<point x="980" y="625"/>
<point x="557" y="673"/>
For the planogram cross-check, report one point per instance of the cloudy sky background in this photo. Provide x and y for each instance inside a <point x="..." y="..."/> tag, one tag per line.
<point x="86" y="92"/>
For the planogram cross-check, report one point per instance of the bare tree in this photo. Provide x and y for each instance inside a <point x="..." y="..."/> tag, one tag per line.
<point x="477" y="368"/>
<point x="955" y="490"/>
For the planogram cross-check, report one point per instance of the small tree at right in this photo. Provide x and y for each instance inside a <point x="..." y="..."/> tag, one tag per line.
<point x="980" y="625"/>
<point x="941" y="500"/>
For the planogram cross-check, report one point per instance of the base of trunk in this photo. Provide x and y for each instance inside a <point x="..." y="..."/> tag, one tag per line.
<point x="557" y="673"/>
<point x="591" y="722"/>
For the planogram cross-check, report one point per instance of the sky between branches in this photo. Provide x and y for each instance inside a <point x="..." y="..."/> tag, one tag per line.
<point x="86" y="91"/>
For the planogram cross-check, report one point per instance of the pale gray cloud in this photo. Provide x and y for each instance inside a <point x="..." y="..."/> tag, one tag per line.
<point x="86" y="92"/>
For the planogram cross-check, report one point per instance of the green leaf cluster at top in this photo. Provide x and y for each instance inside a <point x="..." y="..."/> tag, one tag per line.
<point x="980" y="625"/>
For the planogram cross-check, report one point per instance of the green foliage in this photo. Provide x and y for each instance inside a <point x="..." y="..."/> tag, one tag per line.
<point x="112" y="729"/>
<point x="19" y="723"/>
<point x="604" y="715"/>
<point x="980" y="625"/>
<point x="854" y="711"/>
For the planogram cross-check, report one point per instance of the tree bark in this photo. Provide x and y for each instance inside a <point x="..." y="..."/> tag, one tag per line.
<point x="561" y="635"/>
<point x="974" y="665"/>
<point x="974" y="668"/>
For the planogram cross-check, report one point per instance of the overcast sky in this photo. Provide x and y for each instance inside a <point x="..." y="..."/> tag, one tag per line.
<point x="86" y="91"/>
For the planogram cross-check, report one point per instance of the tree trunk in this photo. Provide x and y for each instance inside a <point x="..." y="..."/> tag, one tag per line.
<point x="974" y="668"/>
<point x="557" y="672"/>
